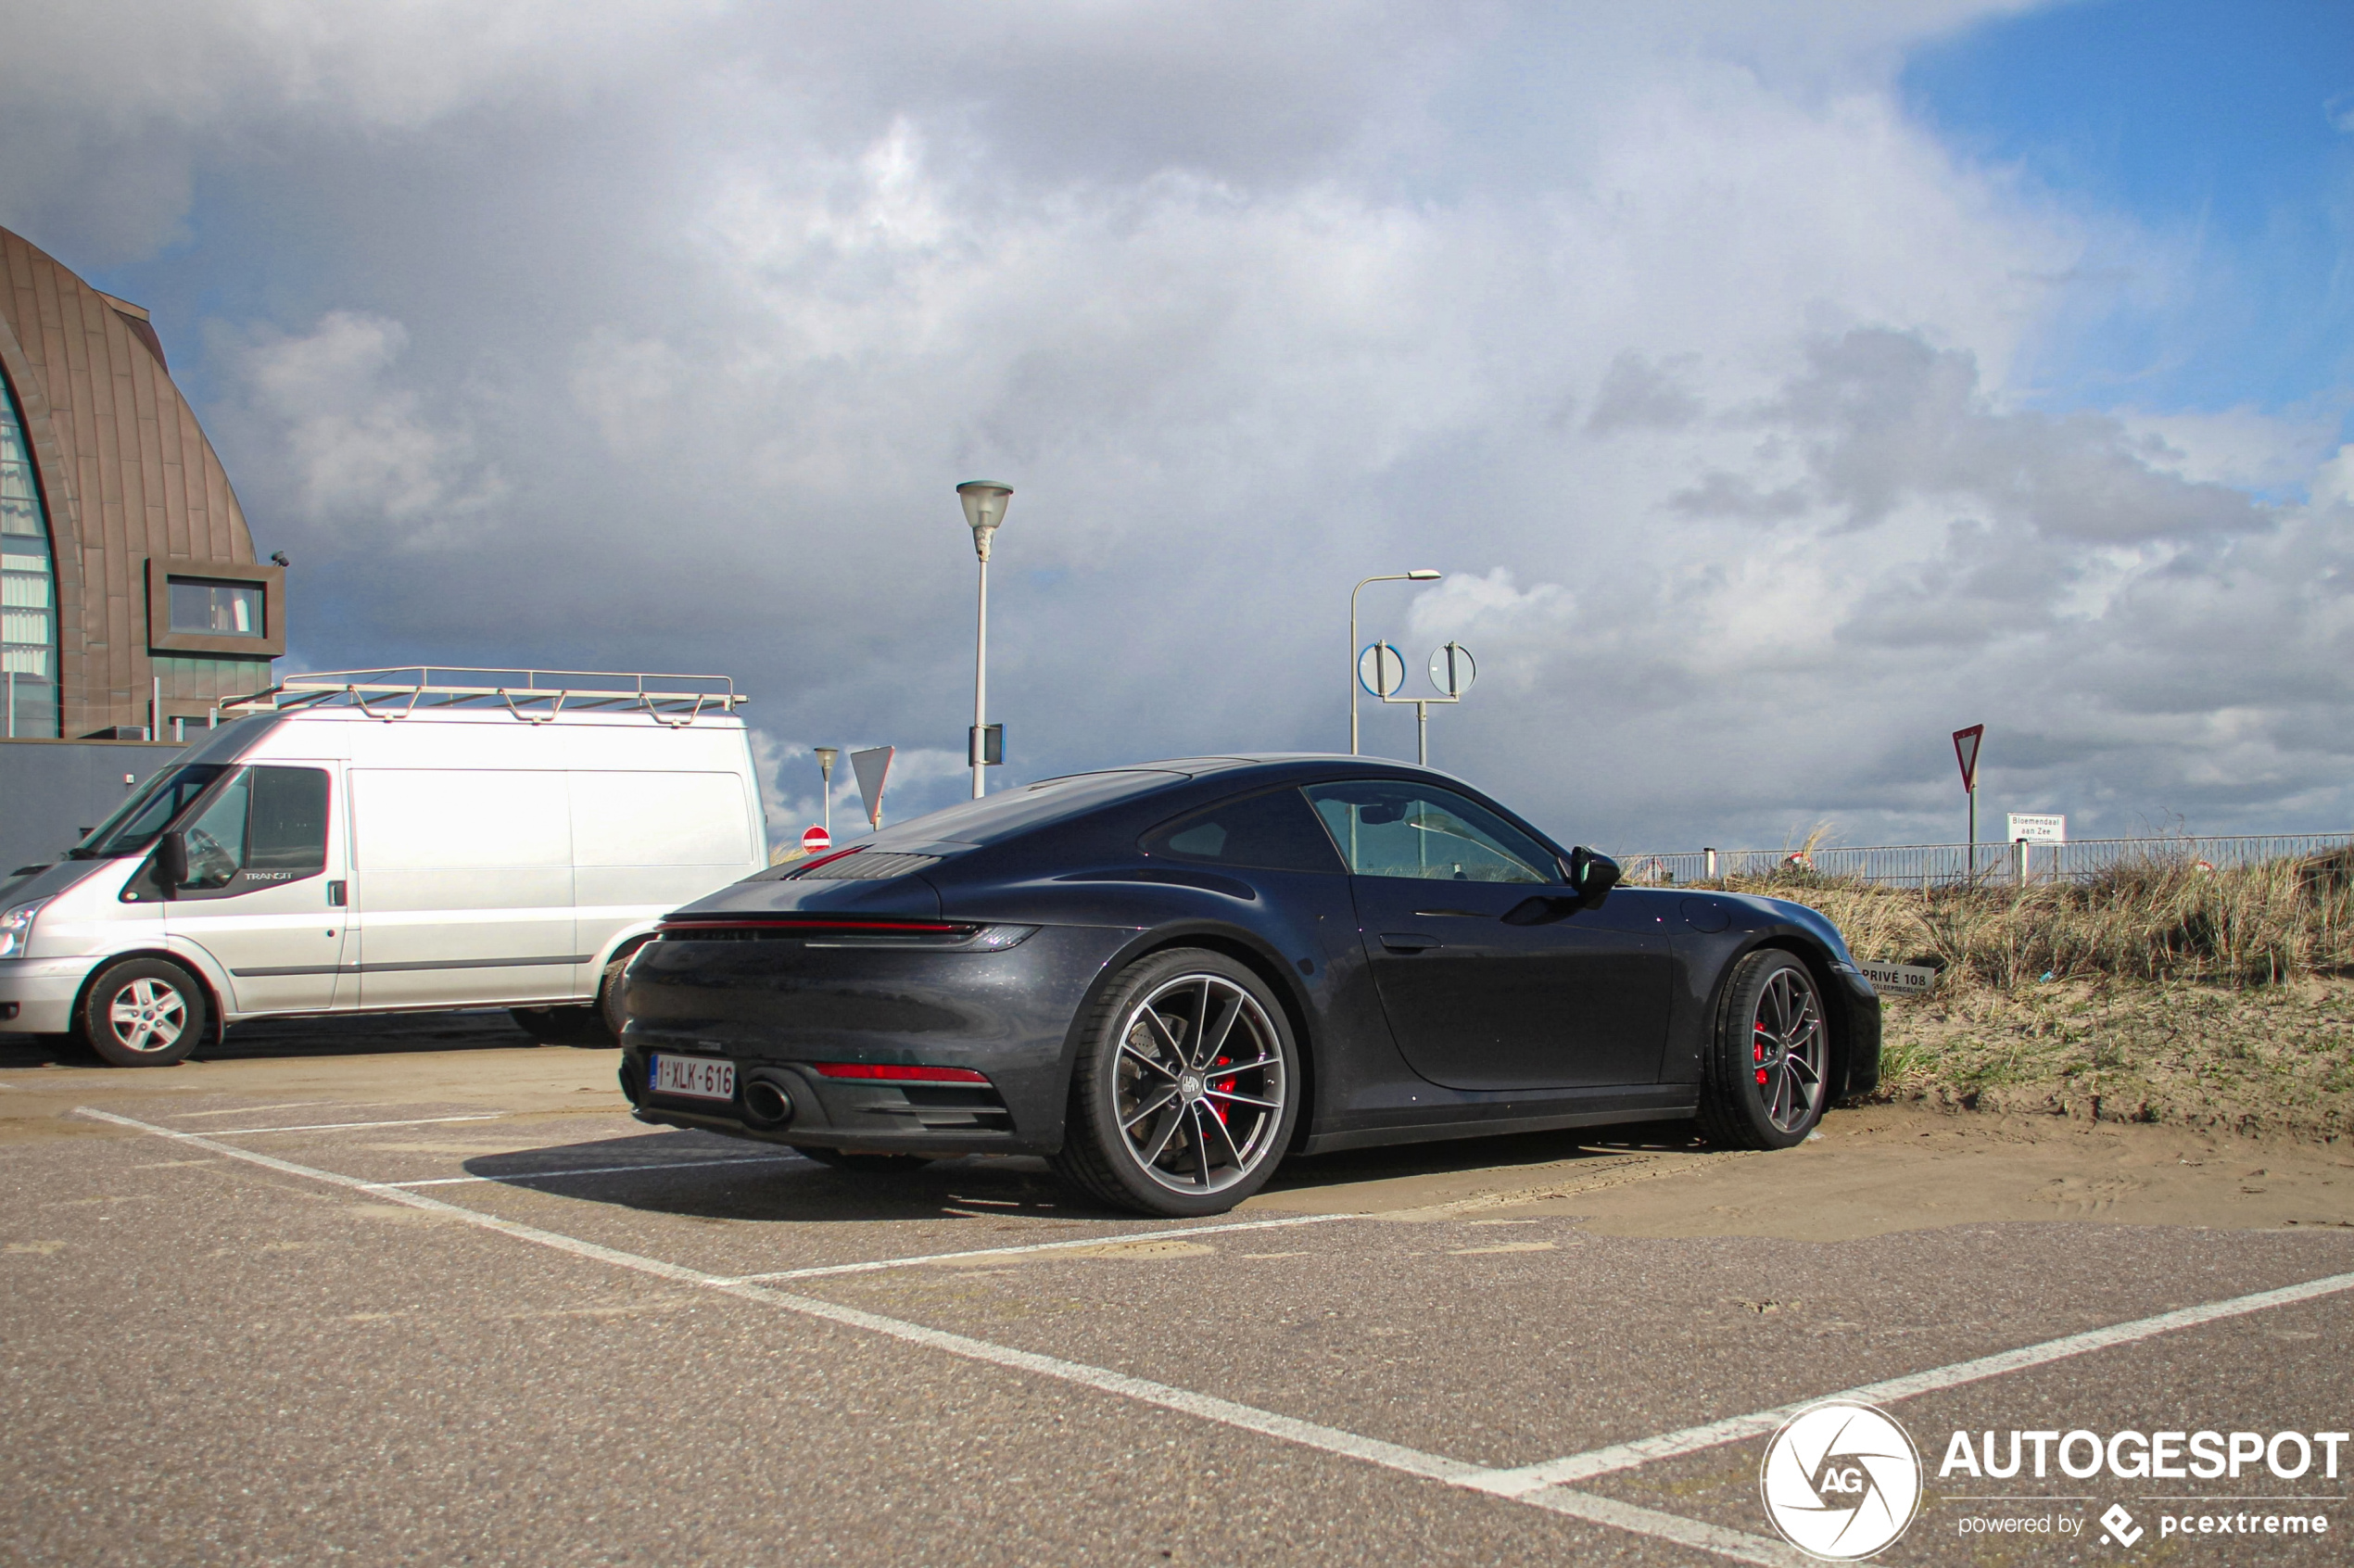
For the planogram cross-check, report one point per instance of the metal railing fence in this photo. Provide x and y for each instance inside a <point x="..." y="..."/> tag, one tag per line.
<point x="1944" y="864"/>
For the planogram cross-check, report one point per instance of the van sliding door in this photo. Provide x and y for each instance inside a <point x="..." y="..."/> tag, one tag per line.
<point x="462" y="886"/>
<point x="645" y="842"/>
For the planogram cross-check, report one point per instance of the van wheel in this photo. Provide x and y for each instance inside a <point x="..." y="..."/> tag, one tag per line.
<point x="144" y="1012"/>
<point x="573" y="1024"/>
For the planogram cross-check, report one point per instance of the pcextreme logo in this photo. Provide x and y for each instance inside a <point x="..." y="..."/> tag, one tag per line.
<point x="1841" y="1481"/>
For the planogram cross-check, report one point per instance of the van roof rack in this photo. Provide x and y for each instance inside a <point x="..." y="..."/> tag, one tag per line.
<point x="533" y="696"/>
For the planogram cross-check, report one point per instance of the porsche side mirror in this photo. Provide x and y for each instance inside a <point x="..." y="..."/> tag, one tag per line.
<point x="1591" y="875"/>
<point x="172" y="863"/>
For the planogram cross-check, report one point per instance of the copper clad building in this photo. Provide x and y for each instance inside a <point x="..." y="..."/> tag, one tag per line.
<point x="128" y="593"/>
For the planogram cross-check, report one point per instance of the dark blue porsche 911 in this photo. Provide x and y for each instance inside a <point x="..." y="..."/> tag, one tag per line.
<point x="1165" y="978"/>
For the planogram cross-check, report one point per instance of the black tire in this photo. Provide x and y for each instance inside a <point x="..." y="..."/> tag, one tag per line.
<point x="609" y="1011"/>
<point x="1767" y="1078"/>
<point x="864" y="1164"/>
<point x="573" y="1024"/>
<point x="144" y="1012"/>
<point x="591" y="1025"/>
<point x="1154" y="1120"/>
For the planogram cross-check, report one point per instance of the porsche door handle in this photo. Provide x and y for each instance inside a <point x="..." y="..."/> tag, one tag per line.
<point x="1408" y="942"/>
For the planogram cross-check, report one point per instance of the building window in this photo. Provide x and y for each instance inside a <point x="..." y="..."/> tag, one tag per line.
<point x="27" y="588"/>
<point x="216" y="609"/>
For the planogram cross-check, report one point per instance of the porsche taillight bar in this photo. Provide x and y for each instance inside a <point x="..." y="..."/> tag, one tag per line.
<point x="890" y="1072"/>
<point x="789" y="925"/>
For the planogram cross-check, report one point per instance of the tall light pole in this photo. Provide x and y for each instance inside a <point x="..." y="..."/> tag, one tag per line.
<point x="1419" y="575"/>
<point x="984" y="509"/>
<point x="827" y="756"/>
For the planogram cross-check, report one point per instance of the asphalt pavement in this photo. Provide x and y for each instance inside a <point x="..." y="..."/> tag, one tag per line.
<point x="419" y="1292"/>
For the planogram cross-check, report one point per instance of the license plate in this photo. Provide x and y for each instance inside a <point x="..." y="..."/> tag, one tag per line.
<point x="697" y="1078"/>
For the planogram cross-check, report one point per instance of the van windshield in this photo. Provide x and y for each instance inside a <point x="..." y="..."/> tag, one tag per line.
<point x="140" y="819"/>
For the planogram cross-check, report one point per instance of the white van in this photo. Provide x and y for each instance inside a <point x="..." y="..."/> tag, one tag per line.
<point x="374" y="842"/>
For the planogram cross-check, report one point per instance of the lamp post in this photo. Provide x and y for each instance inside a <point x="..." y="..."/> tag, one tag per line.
<point x="1419" y="575"/>
<point x="826" y="758"/>
<point x="984" y="509"/>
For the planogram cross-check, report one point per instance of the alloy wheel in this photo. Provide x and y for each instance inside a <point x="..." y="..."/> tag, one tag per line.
<point x="1787" y="1049"/>
<point x="1200" y="1085"/>
<point x="147" y="1015"/>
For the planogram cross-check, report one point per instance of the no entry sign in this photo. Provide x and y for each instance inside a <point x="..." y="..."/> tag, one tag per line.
<point x="816" y="840"/>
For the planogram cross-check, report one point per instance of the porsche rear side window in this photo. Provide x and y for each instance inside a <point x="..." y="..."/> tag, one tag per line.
<point x="1275" y="831"/>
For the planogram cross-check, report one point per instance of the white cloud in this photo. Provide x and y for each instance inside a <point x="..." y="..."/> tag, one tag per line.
<point x="365" y="457"/>
<point x="397" y="65"/>
<point x="2334" y="480"/>
<point x="1506" y="629"/>
<point x="2247" y="448"/>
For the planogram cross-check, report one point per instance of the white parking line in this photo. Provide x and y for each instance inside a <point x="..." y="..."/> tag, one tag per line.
<point x="251" y="1111"/>
<point x="1691" y="1439"/>
<point x="1035" y="1247"/>
<point x="342" y="1126"/>
<point x="1538" y="1486"/>
<point x="602" y="1170"/>
<point x="1619" y="1516"/>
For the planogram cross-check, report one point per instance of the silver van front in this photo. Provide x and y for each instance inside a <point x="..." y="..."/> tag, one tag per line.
<point x="61" y="922"/>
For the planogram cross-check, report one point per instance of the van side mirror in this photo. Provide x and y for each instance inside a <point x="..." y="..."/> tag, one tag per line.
<point x="1591" y="875"/>
<point x="172" y="863"/>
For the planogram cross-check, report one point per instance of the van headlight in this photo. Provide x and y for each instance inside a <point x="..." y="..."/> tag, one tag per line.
<point x="16" y="928"/>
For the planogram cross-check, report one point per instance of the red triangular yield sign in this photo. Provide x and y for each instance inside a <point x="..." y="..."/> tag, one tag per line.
<point x="872" y="766"/>
<point x="1965" y="753"/>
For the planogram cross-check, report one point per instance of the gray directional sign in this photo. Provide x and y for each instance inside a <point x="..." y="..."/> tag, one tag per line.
<point x="1381" y="669"/>
<point x="1452" y="669"/>
<point x="872" y="766"/>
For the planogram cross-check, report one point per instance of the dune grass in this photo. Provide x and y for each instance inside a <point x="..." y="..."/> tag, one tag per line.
<point x="2160" y="918"/>
<point x="2157" y="991"/>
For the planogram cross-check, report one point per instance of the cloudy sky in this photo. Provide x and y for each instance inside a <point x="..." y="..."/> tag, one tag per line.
<point x="1781" y="385"/>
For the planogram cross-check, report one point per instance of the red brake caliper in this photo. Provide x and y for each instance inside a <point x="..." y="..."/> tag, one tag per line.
<point x="1757" y="1052"/>
<point x="1224" y="1086"/>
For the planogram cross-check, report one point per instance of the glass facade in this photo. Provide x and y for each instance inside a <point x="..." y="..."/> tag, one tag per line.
<point x="28" y="587"/>
<point x="194" y="677"/>
<point x="216" y="609"/>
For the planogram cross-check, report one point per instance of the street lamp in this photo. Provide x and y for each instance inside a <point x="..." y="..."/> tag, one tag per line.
<point x="984" y="509"/>
<point x="827" y="756"/>
<point x="1419" y="575"/>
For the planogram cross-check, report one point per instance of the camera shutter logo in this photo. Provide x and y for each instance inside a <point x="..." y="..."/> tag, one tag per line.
<point x="1841" y="1481"/>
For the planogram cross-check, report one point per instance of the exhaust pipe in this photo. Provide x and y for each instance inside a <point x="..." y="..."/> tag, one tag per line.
<point x="765" y="1103"/>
